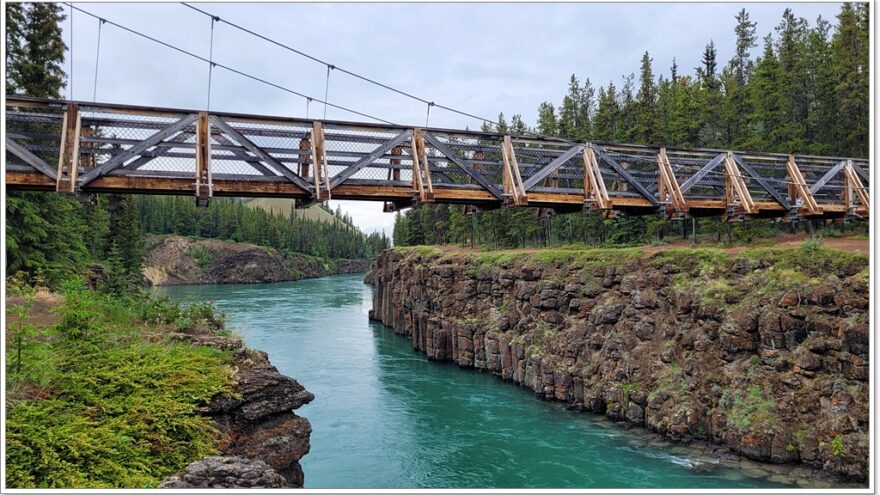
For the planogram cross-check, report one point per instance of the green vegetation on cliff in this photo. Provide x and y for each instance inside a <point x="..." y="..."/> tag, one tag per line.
<point x="98" y="396"/>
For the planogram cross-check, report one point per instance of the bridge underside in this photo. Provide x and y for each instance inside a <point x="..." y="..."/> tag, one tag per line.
<point x="85" y="148"/>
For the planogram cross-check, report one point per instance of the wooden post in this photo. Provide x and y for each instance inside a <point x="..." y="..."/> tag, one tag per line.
<point x="669" y="183"/>
<point x="513" y="185"/>
<point x="798" y="188"/>
<point x="68" y="154"/>
<point x="854" y="185"/>
<point x="595" y="179"/>
<point x="204" y="185"/>
<point x="739" y="185"/>
<point x="422" y="182"/>
<point x="394" y="171"/>
<point x="319" y="159"/>
<point x="305" y="144"/>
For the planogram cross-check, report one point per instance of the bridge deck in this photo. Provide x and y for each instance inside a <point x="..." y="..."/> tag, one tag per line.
<point x="79" y="147"/>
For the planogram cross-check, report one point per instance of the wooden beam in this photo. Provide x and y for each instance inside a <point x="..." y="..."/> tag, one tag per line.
<point x="204" y="185"/>
<point x="363" y="162"/>
<point x="552" y="166"/>
<point x="854" y="184"/>
<point x="420" y="161"/>
<point x="669" y="182"/>
<point x="799" y="186"/>
<point x="514" y="189"/>
<point x="319" y="159"/>
<point x="599" y="192"/>
<point x="68" y="154"/>
<point x="268" y="159"/>
<point x="449" y="154"/>
<point x="738" y="185"/>
<point x="136" y="149"/>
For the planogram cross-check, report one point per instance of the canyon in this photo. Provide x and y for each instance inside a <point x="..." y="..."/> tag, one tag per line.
<point x="762" y="354"/>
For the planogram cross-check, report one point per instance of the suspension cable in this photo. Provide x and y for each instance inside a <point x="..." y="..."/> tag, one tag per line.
<point x="327" y="89"/>
<point x="71" y="52"/>
<point x="358" y="76"/>
<point x="231" y="69"/>
<point x="211" y="63"/>
<point x="428" y="114"/>
<point x="97" y="60"/>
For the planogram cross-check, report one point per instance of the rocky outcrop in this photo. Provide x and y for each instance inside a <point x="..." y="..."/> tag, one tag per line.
<point x="768" y="357"/>
<point x="226" y="472"/>
<point x="262" y="439"/>
<point x="176" y="260"/>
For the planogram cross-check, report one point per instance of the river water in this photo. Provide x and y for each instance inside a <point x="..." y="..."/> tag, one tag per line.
<point x="385" y="417"/>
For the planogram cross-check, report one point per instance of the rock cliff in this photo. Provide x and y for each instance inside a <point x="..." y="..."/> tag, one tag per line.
<point x="261" y="438"/>
<point x="176" y="260"/>
<point x="765" y="353"/>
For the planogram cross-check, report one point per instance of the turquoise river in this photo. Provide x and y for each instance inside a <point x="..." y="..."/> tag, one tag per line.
<point x="385" y="417"/>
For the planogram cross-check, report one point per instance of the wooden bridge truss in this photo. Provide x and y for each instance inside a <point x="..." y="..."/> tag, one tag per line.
<point x="84" y="148"/>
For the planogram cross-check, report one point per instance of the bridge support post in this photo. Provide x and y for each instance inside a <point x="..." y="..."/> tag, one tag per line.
<point x="594" y="180"/>
<point x="422" y="182"/>
<point x="319" y="159"/>
<point x="798" y="189"/>
<point x="204" y="185"/>
<point x="512" y="180"/>
<point x="736" y="186"/>
<point x="854" y="187"/>
<point x="68" y="155"/>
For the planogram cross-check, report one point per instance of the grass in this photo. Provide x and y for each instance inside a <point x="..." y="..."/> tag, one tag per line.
<point x="103" y="400"/>
<point x="201" y="256"/>
<point x="749" y="408"/>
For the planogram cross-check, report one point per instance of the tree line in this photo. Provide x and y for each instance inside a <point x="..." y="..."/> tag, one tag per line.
<point x="807" y="92"/>
<point x="232" y="219"/>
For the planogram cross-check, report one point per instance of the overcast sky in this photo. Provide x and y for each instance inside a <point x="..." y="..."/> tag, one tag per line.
<point x="480" y="58"/>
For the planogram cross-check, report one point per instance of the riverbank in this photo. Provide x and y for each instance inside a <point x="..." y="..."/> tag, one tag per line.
<point x="178" y="260"/>
<point x="764" y="352"/>
<point x="119" y="392"/>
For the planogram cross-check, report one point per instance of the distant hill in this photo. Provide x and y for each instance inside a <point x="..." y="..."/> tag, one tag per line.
<point x="281" y="206"/>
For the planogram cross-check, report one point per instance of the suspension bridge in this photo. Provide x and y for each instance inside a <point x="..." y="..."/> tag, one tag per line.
<point x="83" y="148"/>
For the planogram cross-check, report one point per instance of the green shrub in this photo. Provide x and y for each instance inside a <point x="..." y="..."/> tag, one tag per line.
<point x="94" y="405"/>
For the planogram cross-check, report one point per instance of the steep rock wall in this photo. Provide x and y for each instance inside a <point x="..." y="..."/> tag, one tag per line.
<point x="176" y="260"/>
<point x="765" y="353"/>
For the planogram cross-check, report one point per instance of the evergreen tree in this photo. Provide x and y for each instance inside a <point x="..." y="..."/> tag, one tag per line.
<point x="850" y="52"/>
<point x="646" y="111"/>
<point x="547" y="123"/>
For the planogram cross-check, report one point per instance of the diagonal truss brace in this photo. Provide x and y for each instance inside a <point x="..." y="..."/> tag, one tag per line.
<point x="828" y="176"/>
<point x="260" y="153"/>
<point x="450" y="155"/>
<point x="627" y="176"/>
<point x="363" y="162"/>
<point x="118" y="160"/>
<point x="30" y="158"/>
<point x="552" y="167"/>
<point x="707" y="168"/>
<point x="761" y="181"/>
